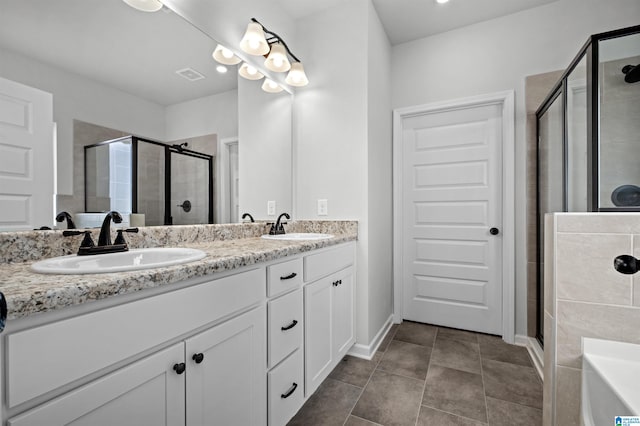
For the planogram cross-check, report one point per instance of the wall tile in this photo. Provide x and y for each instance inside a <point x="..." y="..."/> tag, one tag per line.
<point x="568" y="396"/>
<point x="636" y="277"/>
<point x="584" y="268"/>
<point x="548" y="265"/>
<point x="549" y="370"/>
<point x="576" y="320"/>
<point x="609" y="223"/>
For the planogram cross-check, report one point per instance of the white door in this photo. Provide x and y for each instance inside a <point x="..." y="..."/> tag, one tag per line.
<point x="226" y="372"/>
<point x="27" y="160"/>
<point x="452" y="186"/>
<point x="147" y="392"/>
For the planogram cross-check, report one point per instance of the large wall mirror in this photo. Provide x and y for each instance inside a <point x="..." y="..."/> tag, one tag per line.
<point x="116" y="73"/>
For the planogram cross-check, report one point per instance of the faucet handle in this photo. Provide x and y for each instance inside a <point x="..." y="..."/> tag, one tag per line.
<point x="87" y="241"/>
<point x="120" y="237"/>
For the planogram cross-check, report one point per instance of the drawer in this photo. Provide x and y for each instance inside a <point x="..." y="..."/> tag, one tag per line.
<point x="326" y="262"/>
<point x="285" y="389"/>
<point x="285" y="326"/>
<point x="44" y="358"/>
<point x="284" y="276"/>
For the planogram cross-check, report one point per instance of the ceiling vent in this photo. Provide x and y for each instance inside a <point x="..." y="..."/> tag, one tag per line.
<point x="190" y="74"/>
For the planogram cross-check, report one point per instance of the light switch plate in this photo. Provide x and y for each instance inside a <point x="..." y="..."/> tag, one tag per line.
<point x="271" y="208"/>
<point x="323" y="208"/>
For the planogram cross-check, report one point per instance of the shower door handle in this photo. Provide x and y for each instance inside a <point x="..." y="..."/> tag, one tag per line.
<point x="186" y="206"/>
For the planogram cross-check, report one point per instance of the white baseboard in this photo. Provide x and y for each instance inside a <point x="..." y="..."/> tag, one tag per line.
<point x="535" y="351"/>
<point x="368" y="351"/>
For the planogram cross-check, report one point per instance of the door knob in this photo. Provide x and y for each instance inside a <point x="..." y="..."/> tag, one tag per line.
<point x="494" y="231"/>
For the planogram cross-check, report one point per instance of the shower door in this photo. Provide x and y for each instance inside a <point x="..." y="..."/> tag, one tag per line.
<point x="188" y="187"/>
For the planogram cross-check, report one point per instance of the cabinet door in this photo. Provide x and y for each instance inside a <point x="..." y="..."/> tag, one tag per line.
<point x="148" y="392"/>
<point x="228" y="386"/>
<point x="317" y="318"/>
<point x="343" y="313"/>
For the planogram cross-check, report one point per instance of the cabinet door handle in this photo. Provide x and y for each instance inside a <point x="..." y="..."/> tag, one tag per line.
<point x="179" y="368"/>
<point x="288" y="277"/>
<point x="291" y="390"/>
<point x="198" y="358"/>
<point x="290" y="326"/>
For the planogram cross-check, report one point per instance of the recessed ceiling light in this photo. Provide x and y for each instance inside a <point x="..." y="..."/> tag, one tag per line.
<point x="221" y="69"/>
<point x="442" y="1"/>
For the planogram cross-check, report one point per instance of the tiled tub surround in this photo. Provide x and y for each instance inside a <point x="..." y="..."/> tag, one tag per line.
<point x="585" y="297"/>
<point x="227" y="246"/>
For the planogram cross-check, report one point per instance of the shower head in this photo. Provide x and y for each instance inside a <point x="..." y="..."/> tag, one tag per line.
<point x="631" y="73"/>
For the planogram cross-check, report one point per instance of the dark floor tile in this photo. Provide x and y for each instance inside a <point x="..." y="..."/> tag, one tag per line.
<point x="511" y="382"/>
<point x="406" y="359"/>
<point x="503" y="413"/>
<point x="416" y="333"/>
<point x="455" y="334"/>
<point x="494" y="348"/>
<point x="430" y="417"/>
<point x="330" y="405"/>
<point x="457" y="392"/>
<point x="357" y="421"/>
<point x="390" y="400"/>
<point x="456" y="354"/>
<point x="387" y="339"/>
<point x="355" y="371"/>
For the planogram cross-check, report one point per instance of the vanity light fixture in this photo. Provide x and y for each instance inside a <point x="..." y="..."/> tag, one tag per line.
<point x="249" y="72"/>
<point x="145" y="5"/>
<point x="277" y="55"/>
<point x="225" y="56"/>
<point x="271" y="86"/>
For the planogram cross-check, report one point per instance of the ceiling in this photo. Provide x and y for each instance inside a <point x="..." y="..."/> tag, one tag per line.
<point x="406" y="20"/>
<point x="139" y="53"/>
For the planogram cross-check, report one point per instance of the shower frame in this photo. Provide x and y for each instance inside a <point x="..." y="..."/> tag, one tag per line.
<point x="168" y="150"/>
<point x="590" y="51"/>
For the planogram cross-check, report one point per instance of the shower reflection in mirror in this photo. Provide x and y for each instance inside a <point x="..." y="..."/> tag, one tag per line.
<point x="145" y="177"/>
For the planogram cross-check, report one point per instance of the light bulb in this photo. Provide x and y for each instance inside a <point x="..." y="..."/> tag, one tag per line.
<point x="251" y="70"/>
<point x="226" y="53"/>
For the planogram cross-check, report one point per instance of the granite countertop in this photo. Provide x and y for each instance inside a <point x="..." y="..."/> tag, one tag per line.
<point x="28" y="293"/>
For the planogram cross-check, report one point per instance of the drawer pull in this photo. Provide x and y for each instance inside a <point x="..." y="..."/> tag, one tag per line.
<point x="179" y="368"/>
<point x="198" y="358"/>
<point x="290" y="326"/>
<point x="288" y="277"/>
<point x="337" y="283"/>
<point x="290" y="391"/>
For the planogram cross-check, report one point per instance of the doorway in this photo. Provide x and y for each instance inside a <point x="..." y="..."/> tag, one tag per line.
<point x="453" y="208"/>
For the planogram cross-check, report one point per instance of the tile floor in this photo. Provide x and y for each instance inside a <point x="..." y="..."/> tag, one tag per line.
<point x="427" y="375"/>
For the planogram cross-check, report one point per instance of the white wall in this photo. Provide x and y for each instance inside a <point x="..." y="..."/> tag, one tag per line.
<point x="76" y="97"/>
<point x="203" y="116"/>
<point x="379" y="176"/>
<point x="342" y="143"/>
<point x="496" y="55"/>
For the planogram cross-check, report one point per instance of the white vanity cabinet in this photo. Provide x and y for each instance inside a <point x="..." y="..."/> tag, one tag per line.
<point x="285" y="343"/>
<point x="329" y="297"/>
<point x="212" y="373"/>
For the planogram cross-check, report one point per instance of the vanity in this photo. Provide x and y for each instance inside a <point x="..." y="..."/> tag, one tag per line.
<point x="241" y="337"/>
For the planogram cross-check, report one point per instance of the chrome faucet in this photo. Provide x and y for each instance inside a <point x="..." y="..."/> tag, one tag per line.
<point x="105" y="231"/>
<point x="277" y="228"/>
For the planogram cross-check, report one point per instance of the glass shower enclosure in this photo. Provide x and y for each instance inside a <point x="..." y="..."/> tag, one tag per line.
<point x="169" y="184"/>
<point x="588" y="129"/>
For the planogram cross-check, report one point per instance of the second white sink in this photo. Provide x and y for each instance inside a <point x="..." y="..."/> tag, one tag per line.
<point x="298" y="236"/>
<point x="118" y="262"/>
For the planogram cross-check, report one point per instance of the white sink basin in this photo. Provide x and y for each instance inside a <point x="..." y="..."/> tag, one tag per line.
<point x="610" y="378"/>
<point x="298" y="236"/>
<point x="117" y="262"/>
